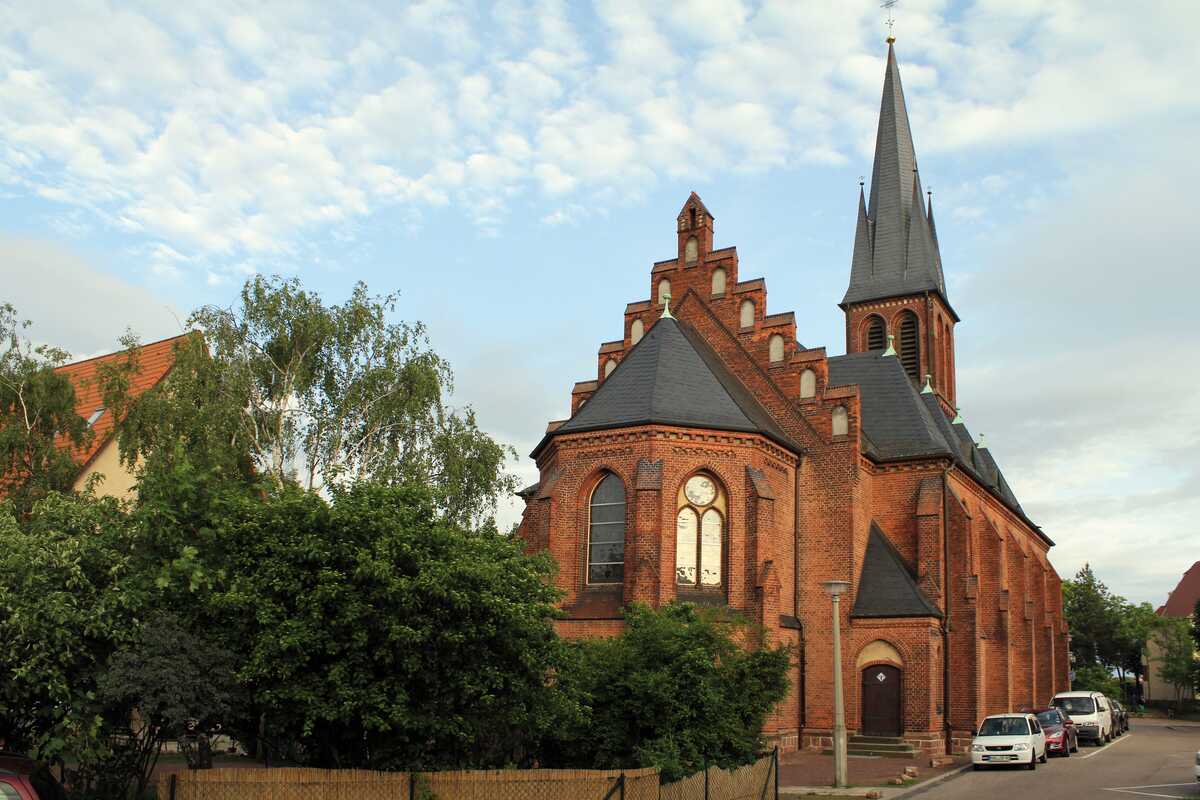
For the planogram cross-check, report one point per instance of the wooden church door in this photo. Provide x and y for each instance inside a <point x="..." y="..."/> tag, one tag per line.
<point x="881" y="713"/>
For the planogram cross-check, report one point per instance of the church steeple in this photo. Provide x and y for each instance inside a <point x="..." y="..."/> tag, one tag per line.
<point x="897" y="286"/>
<point x="901" y="256"/>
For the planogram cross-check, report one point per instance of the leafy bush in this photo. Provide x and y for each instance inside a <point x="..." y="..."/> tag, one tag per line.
<point x="677" y="689"/>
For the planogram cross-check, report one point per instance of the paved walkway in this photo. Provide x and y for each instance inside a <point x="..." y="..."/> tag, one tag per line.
<point x="805" y="770"/>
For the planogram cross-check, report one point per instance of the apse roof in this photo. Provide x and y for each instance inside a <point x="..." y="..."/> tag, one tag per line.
<point x="673" y="377"/>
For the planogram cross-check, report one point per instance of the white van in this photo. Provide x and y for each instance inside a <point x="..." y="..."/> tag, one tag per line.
<point x="1090" y="711"/>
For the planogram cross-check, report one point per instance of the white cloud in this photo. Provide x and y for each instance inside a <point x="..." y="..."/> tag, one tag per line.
<point x="255" y="129"/>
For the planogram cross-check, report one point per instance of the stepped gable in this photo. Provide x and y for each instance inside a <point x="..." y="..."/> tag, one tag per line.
<point x="886" y="587"/>
<point x="673" y="377"/>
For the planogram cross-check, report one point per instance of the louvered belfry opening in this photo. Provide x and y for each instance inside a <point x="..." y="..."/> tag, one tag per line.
<point x="910" y="346"/>
<point x="876" y="335"/>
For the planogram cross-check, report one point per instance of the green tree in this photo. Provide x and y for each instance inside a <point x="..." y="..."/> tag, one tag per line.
<point x="150" y="688"/>
<point x="677" y="689"/>
<point x="1091" y="613"/>
<point x="38" y="423"/>
<point x="1177" y="658"/>
<point x="288" y="388"/>
<point x="1135" y="626"/>
<point x="64" y="610"/>
<point x="370" y="630"/>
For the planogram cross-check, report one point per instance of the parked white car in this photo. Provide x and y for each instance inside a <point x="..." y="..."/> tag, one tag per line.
<point x="1091" y="712"/>
<point x="1009" y="739"/>
<point x="1196" y="768"/>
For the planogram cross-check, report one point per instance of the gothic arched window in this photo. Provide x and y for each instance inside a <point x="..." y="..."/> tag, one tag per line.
<point x="876" y="334"/>
<point x="775" y="349"/>
<point x="664" y="291"/>
<point x="700" y="534"/>
<point x="609" y="366"/>
<point x="746" y="314"/>
<point x="691" y="251"/>
<point x="718" y="281"/>
<point x="910" y="345"/>
<point x="606" y="532"/>
<point x="636" y="331"/>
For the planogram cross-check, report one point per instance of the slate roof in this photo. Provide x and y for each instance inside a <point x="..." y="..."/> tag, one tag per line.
<point x="673" y="377"/>
<point x="895" y="244"/>
<point x="899" y="422"/>
<point x="886" y="587"/>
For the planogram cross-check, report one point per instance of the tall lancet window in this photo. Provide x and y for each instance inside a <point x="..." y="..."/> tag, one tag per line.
<point x="700" y="534"/>
<point x="910" y="345"/>
<point x="606" y="532"/>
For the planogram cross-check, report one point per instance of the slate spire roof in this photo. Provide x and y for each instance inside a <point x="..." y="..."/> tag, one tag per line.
<point x="673" y="377"/>
<point x="895" y="246"/>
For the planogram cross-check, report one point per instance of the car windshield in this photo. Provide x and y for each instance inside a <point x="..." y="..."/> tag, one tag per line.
<point x="1004" y="726"/>
<point x="1076" y="705"/>
<point x="1049" y="718"/>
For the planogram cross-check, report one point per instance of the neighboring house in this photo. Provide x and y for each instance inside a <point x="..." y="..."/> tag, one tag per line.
<point x="1181" y="602"/>
<point x="714" y="458"/>
<point x="101" y="455"/>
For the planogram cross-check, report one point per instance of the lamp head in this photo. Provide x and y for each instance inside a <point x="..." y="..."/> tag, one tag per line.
<point x="835" y="588"/>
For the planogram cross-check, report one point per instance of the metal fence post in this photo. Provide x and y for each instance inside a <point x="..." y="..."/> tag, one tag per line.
<point x="776" y="768"/>
<point x="174" y="779"/>
<point x="622" y="786"/>
<point x="706" y="778"/>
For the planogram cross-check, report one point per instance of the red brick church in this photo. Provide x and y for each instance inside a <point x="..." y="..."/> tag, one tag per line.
<point x="715" y="459"/>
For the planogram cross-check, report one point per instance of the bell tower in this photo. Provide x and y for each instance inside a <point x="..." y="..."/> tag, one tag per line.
<point x="695" y="227"/>
<point x="897" y="287"/>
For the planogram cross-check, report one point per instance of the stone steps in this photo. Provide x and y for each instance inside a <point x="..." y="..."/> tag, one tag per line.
<point x="878" y="746"/>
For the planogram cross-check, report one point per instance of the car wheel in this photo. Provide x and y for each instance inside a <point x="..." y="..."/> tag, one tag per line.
<point x="1075" y="749"/>
<point x="1032" y="761"/>
<point x="1066" y="751"/>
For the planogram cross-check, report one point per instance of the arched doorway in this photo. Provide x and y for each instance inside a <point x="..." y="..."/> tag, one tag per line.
<point x="882" y="713"/>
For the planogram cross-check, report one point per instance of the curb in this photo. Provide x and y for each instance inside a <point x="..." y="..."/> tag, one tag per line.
<point x="920" y="787"/>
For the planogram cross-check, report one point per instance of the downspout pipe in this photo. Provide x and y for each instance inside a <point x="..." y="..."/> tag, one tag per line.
<point x="796" y="601"/>
<point x="949" y="734"/>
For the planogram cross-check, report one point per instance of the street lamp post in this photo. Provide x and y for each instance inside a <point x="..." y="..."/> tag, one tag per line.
<point x="835" y="589"/>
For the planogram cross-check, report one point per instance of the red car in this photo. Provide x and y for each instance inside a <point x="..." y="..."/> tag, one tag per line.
<point x="1061" y="736"/>
<point x="22" y="778"/>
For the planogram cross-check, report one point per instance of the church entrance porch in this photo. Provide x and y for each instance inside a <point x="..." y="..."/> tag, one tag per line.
<point x="882" y="711"/>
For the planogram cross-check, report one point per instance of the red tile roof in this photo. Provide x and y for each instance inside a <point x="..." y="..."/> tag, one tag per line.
<point x="1182" y="601"/>
<point x="154" y="362"/>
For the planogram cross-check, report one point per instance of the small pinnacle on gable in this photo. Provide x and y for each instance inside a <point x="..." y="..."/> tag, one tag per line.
<point x="666" y="312"/>
<point x="891" y="349"/>
<point x="928" y="389"/>
<point x="958" y="420"/>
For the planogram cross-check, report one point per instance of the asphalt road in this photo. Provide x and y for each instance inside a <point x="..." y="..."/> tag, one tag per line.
<point x="1154" y="759"/>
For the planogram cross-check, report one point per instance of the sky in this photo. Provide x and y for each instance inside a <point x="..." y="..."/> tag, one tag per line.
<point x="514" y="168"/>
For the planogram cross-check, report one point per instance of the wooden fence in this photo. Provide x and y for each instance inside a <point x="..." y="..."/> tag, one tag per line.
<point x="298" y="783"/>
<point x="757" y="781"/>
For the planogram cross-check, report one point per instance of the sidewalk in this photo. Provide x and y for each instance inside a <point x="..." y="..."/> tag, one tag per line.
<point x="811" y="774"/>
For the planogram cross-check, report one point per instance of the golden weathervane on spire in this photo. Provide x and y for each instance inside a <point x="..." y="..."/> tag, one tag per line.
<point x="891" y="21"/>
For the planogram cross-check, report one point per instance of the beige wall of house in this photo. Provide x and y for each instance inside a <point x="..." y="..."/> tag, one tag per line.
<point x="118" y="481"/>
<point x="1156" y="687"/>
